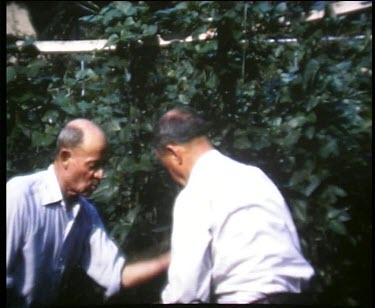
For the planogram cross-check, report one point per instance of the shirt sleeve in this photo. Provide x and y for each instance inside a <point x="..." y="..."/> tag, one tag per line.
<point x="105" y="262"/>
<point x="189" y="274"/>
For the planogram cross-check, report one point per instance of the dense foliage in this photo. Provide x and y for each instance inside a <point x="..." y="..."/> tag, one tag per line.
<point x="299" y="109"/>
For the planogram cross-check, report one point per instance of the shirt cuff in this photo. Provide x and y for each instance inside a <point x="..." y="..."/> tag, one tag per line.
<point x="115" y="284"/>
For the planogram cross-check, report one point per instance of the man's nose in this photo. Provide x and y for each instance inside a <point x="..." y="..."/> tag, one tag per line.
<point x="99" y="174"/>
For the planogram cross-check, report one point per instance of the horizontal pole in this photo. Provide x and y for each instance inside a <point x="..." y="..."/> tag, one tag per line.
<point x="324" y="38"/>
<point x="69" y="46"/>
<point x="340" y="8"/>
<point x="84" y="46"/>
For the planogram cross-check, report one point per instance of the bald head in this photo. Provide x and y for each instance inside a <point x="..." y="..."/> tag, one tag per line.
<point x="79" y="162"/>
<point x="78" y="132"/>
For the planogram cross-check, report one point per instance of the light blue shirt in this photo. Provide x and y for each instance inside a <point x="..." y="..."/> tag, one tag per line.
<point x="44" y="239"/>
<point x="233" y="237"/>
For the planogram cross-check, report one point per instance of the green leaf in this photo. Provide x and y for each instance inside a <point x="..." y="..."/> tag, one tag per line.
<point x="39" y="139"/>
<point x="312" y="103"/>
<point x="11" y="73"/>
<point x="133" y="213"/>
<point x="281" y="7"/>
<point x="126" y="7"/>
<point x="87" y="74"/>
<point x="279" y="50"/>
<point x="300" y="210"/>
<point x="333" y="213"/>
<point x="112" y="126"/>
<point x="88" y="18"/>
<point x="50" y="116"/>
<point x="263" y="6"/>
<point x="61" y="100"/>
<point x="110" y="15"/>
<point x="310" y="132"/>
<point x="129" y="21"/>
<point x="182" y="6"/>
<point x="338" y="191"/>
<point x="149" y="30"/>
<point x="310" y="72"/>
<point x="297" y="177"/>
<point x="182" y="98"/>
<point x="34" y="68"/>
<point x="113" y="39"/>
<point x="83" y="106"/>
<point x="292" y="138"/>
<point x="338" y="227"/>
<point x="313" y="185"/>
<point x="26" y="97"/>
<point x="242" y="142"/>
<point x="287" y="77"/>
<point x="344" y="66"/>
<point x="106" y="190"/>
<point x="330" y="148"/>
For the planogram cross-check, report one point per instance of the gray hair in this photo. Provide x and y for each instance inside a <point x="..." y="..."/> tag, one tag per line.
<point x="69" y="137"/>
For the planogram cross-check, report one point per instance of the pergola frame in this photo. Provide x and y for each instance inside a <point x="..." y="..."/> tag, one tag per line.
<point x="86" y="46"/>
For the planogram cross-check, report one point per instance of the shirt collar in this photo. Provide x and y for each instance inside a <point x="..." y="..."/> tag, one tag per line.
<point x="50" y="191"/>
<point x="204" y="162"/>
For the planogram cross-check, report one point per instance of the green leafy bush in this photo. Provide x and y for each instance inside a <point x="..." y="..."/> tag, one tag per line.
<point x="300" y="110"/>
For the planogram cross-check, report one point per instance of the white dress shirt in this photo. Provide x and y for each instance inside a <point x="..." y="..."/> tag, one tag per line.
<point x="233" y="238"/>
<point x="44" y="239"/>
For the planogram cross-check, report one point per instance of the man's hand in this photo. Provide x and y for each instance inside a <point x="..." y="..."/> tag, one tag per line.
<point x="140" y="272"/>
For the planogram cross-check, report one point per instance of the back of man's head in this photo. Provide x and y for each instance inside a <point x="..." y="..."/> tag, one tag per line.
<point x="178" y="126"/>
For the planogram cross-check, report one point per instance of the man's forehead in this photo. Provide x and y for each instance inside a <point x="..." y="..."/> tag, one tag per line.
<point x="94" y="150"/>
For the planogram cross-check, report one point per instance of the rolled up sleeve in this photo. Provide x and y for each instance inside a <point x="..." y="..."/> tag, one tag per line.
<point x="105" y="262"/>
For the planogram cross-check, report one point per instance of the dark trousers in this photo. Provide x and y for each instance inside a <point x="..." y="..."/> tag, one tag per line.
<point x="286" y="298"/>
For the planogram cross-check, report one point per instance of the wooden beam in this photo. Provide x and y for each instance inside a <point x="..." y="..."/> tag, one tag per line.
<point x="340" y="8"/>
<point x="69" y="46"/>
<point x="209" y="34"/>
<point x="84" y="46"/>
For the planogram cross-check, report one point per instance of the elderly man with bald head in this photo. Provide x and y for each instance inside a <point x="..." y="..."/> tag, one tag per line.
<point x="52" y="228"/>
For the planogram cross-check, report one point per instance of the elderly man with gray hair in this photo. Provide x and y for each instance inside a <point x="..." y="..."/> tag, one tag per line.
<point x="52" y="228"/>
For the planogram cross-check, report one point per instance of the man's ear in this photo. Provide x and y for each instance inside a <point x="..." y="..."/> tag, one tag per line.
<point x="65" y="155"/>
<point x="175" y="151"/>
